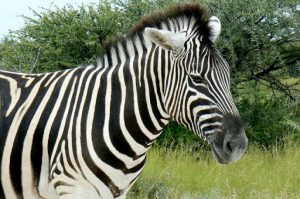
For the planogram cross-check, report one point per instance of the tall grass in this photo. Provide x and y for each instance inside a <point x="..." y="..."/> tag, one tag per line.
<point x="186" y="174"/>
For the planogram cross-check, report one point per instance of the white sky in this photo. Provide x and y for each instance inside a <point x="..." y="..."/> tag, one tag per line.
<point x="11" y="11"/>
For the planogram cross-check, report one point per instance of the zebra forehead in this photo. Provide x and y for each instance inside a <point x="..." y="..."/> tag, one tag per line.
<point x="188" y="10"/>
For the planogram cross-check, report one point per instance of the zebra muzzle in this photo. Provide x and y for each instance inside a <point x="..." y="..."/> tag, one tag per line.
<point x="230" y="144"/>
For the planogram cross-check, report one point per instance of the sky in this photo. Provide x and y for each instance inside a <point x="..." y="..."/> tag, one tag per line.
<point x="12" y="10"/>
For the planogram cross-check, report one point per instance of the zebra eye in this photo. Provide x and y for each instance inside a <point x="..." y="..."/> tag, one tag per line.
<point x="198" y="79"/>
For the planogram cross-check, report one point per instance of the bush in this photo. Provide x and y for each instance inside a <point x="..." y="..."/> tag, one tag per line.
<point x="268" y="122"/>
<point x="269" y="117"/>
<point x="259" y="44"/>
<point x="61" y="38"/>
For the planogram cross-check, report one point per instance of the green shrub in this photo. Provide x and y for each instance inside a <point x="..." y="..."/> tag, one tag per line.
<point x="62" y="38"/>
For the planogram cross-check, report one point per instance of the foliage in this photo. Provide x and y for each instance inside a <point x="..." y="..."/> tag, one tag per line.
<point x="176" y="136"/>
<point x="260" y="40"/>
<point x="60" y="38"/>
<point x="268" y="117"/>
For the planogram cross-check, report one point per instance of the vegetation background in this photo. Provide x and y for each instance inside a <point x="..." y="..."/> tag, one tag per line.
<point x="261" y="41"/>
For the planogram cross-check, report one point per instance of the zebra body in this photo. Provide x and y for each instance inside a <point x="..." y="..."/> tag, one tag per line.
<point x="84" y="132"/>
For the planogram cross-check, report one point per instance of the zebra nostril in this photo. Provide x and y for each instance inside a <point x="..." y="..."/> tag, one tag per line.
<point x="230" y="147"/>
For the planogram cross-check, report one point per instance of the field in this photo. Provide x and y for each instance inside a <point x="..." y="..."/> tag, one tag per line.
<point x="185" y="174"/>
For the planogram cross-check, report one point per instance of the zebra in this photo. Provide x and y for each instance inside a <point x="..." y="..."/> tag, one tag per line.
<point x="84" y="132"/>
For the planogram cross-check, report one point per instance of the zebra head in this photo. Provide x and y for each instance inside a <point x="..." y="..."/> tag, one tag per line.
<point x="197" y="85"/>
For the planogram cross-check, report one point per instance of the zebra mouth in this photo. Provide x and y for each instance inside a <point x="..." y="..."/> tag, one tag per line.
<point x="230" y="144"/>
<point x="217" y="156"/>
<point x="229" y="152"/>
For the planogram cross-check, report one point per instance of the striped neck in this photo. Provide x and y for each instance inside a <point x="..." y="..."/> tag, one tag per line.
<point x="136" y="73"/>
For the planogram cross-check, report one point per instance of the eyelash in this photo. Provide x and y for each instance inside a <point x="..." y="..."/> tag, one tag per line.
<point x="198" y="80"/>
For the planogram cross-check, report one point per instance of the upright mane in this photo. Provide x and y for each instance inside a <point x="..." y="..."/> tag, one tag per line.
<point x="156" y="19"/>
<point x="188" y="10"/>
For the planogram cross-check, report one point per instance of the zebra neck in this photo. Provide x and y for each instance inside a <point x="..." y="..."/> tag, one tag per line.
<point x="132" y="73"/>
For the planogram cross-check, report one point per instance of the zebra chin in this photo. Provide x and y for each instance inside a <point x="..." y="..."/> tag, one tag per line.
<point x="230" y="144"/>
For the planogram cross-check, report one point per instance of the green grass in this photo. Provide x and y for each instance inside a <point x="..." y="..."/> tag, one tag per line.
<point x="184" y="174"/>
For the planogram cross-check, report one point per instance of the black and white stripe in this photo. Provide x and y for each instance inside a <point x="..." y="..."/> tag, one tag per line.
<point x="84" y="132"/>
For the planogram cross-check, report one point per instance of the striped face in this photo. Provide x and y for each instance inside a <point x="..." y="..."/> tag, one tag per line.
<point x="210" y="107"/>
<point x="208" y="85"/>
<point x="200" y="91"/>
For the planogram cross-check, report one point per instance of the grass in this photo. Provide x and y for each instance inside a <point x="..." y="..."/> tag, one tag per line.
<point x="185" y="174"/>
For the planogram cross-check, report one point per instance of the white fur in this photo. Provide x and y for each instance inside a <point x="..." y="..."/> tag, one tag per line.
<point x="215" y="28"/>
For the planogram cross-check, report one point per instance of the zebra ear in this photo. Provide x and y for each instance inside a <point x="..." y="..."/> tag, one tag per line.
<point x="215" y="28"/>
<point x="166" y="39"/>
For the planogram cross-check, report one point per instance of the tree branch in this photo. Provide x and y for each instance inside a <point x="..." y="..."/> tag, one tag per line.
<point x="36" y="61"/>
<point x="227" y="17"/>
<point x="276" y="84"/>
<point x="262" y="73"/>
<point x="260" y="19"/>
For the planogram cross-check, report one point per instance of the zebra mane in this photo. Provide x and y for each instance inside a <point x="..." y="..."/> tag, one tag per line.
<point x="156" y="19"/>
<point x="188" y="10"/>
